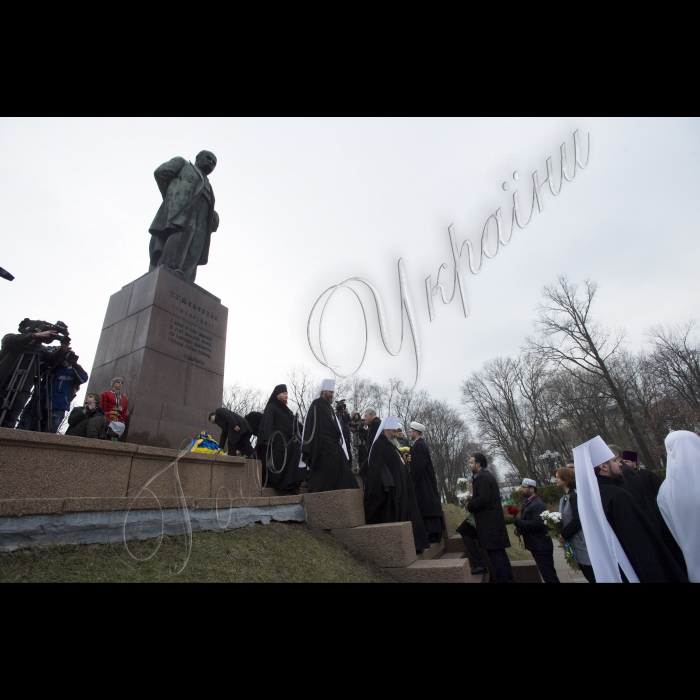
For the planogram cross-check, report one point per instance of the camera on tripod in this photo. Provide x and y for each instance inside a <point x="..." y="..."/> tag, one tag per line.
<point x="29" y="326"/>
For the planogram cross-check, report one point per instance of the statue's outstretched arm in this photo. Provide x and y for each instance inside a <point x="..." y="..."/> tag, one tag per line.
<point x="167" y="172"/>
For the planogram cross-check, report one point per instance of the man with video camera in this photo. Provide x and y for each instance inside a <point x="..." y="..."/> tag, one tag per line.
<point x="23" y="358"/>
<point x="341" y="411"/>
<point x="58" y="389"/>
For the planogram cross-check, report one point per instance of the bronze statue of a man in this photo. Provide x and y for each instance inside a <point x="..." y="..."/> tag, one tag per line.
<point x="181" y="231"/>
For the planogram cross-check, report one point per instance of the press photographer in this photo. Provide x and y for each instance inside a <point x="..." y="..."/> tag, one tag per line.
<point x="23" y="362"/>
<point x="341" y="410"/>
<point x="58" y="389"/>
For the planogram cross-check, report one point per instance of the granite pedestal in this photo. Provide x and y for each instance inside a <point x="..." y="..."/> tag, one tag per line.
<point x="166" y="337"/>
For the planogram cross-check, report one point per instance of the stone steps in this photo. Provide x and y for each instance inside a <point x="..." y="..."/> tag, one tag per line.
<point x="435" y="552"/>
<point x="437" y="571"/>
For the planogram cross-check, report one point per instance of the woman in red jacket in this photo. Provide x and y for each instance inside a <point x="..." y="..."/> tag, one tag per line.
<point x="114" y="403"/>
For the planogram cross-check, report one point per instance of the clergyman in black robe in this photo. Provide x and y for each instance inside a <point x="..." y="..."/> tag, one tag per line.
<point x="643" y="491"/>
<point x="426" y="486"/>
<point x="389" y="495"/>
<point x="278" y="441"/>
<point x="235" y="431"/>
<point x="323" y="450"/>
<point x="639" y="537"/>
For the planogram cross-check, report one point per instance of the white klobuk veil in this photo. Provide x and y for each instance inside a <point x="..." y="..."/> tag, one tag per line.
<point x="390" y="423"/>
<point x="604" y="549"/>
<point x="679" y="497"/>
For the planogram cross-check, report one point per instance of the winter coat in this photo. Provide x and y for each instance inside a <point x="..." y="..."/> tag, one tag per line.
<point x="531" y="526"/>
<point x="486" y="507"/>
<point x="108" y="403"/>
<point x="63" y="380"/>
<point x="573" y="530"/>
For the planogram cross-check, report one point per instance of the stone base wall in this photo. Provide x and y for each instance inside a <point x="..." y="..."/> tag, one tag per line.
<point x="52" y="474"/>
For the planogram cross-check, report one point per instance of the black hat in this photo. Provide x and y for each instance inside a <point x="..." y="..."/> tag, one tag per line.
<point x="630" y="457"/>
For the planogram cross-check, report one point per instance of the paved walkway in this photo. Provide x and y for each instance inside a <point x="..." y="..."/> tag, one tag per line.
<point x="565" y="572"/>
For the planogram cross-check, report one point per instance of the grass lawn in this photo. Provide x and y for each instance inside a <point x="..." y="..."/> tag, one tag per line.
<point x="261" y="554"/>
<point x="515" y="553"/>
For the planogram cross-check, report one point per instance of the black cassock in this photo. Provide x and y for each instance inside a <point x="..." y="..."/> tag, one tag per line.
<point x="638" y="535"/>
<point x="387" y="470"/>
<point x="643" y="491"/>
<point x="329" y="467"/>
<point x="282" y="453"/>
<point x="426" y="488"/>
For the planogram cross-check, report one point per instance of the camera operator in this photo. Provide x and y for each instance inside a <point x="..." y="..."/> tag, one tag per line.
<point x="11" y="351"/>
<point x="63" y="382"/>
<point x="358" y="431"/>
<point x="341" y="411"/>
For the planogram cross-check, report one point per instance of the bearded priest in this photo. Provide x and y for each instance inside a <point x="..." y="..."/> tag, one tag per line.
<point x="324" y="452"/>
<point x="390" y="496"/>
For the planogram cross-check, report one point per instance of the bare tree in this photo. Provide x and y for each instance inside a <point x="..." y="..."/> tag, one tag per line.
<point x="450" y="443"/>
<point x="506" y="399"/>
<point x="675" y="362"/>
<point x="302" y="387"/>
<point x="243" y="399"/>
<point x="570" y="339"/>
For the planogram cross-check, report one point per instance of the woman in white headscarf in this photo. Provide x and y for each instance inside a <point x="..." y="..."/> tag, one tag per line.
<point x="679" y="498"/>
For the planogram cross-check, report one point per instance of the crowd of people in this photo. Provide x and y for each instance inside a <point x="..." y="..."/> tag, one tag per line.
<point x="650" y="525"/>
<point x="620" y="522"/>
<point x="38" y="385"/>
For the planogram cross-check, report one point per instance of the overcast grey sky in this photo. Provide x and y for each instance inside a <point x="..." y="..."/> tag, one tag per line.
<point x="308" y="202"/>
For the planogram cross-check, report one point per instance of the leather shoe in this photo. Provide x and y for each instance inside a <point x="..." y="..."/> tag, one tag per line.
<point x="479" y="571"/>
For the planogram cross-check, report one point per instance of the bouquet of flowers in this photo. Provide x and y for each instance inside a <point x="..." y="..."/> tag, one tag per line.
<point x="515" y="512"/>
<point x="556" y="525"/>
<point x="464" y="496"/>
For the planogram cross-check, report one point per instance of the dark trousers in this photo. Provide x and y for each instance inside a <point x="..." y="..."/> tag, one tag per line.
<point x="545" y="563"/>
<point x="588" y="572"/>
<point x="498" y="557"/>
<point x="243" y="446"/>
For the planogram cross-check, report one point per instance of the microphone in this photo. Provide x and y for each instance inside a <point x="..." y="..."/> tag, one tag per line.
<point x="6" y="275"/>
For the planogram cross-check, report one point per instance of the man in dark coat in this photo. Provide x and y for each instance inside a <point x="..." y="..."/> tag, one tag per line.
<point x="638" y="536"/>
<point x="324" y="451"/>
<point x="489" y="526"/>
<point x="645" y="493"/>
<point x="372" y="421"/>
<point x="426" y="486"/>
<point x="235" y="430"/>
<point x="181" y="231"/>
<point x="280" y="451"/>
<point x="535" y="533"/>
<point x="390" y="496"/>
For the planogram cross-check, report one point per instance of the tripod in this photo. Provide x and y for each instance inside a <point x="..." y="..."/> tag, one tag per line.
<point x="23" y="393"/>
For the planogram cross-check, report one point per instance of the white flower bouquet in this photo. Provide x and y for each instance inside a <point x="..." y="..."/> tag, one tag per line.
<point x="555" y="523"/>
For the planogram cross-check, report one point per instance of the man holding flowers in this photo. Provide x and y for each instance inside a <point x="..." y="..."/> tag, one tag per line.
<point x="535" y="533"/>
